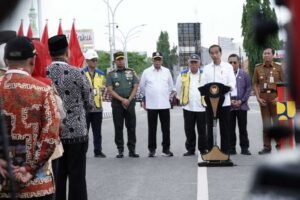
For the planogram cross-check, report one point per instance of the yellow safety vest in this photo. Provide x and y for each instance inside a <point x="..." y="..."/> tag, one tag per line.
<point x="98" y="83"/>
<point x="185" y="87"/>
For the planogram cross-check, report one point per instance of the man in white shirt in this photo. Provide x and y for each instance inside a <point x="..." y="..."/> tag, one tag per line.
<point x="156" y="85"/>
<point x="187" y="85"/>
<point x="221" y="72"/>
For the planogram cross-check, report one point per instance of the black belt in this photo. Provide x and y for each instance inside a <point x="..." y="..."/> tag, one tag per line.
<point x="75" y="140"/>
<point x="268" y="91"/>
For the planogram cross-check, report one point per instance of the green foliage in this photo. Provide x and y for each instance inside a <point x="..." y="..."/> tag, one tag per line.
<point x="104" y="61"/>
<point x="170" y="57"/>
<point x="254" y="51"/>
<point x="135" y="60"/>
<point x="138" y="62"/>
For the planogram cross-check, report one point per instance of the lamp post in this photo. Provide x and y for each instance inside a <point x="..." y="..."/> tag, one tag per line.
<point x="126" y="38"/>
<point x="111" y="28"/>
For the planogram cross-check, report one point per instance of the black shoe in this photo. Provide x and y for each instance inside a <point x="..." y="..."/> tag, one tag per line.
<point x="151" y="154"/>
<point x="120" y="155"/>
<point x="203" y="151"/>
<point x="232" y="152"/>
<point x="246" y="152"/>
<point x="132" y="154"/>
<point x="100" y="155"/>
<point x="167" y="153"/>
<point x="189" y="153"/>
<point x="264" y="151"/>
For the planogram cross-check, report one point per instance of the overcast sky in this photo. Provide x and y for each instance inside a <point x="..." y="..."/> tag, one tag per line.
<point x="217" y="18"/>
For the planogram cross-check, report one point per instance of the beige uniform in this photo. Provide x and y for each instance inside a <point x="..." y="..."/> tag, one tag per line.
<point x="266" y="79"/>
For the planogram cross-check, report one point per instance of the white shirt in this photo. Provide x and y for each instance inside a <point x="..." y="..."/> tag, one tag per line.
<point x="234" y="91"/>
<point x="194" y="103"/>
<point x="222" y="73"/>
<point x="156" y="86"/>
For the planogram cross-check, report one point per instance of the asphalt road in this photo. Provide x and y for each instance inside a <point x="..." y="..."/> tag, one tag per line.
<point x="163" y="178"/>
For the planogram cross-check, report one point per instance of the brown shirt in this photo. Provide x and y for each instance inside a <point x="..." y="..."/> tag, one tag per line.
<point x="266" y="77"/>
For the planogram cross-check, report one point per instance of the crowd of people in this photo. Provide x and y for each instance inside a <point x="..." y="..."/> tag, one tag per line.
<point x="48" y="116"/>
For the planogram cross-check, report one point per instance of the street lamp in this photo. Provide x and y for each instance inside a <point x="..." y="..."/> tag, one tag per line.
<point x="111" y="13"/>
<point x="126" y="38"/>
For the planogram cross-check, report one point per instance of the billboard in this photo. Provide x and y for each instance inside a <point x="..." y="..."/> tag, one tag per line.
<point x="85" y="38"/>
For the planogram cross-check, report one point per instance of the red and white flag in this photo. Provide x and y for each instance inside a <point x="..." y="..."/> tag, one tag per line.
<point x="20" y="31"/>
<point x="45" y="36"/>
<point x="60" y="31"/>
<point x="76" y="55"/>
<point x="29" y="31"/>
<point x="44" y="41"/>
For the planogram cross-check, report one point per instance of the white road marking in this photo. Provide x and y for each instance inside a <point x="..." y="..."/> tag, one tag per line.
<point x="202" y="182"/>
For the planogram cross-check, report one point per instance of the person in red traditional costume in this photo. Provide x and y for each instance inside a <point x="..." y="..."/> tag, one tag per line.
<point x="32" y="119"/>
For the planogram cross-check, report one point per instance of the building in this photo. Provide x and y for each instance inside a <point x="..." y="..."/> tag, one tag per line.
<point x="32" y="20"/>
<point x="189" y="41"/>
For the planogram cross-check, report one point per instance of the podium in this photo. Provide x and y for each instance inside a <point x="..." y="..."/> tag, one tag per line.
<point x="214" y="98"/>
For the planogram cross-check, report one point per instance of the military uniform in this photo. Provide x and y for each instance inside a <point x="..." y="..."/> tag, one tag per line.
<point x="122" y="82"/>
<point x="266" y="78"/>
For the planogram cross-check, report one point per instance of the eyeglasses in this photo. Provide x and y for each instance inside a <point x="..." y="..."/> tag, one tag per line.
<point x="233" y="62"/>
<point x="94" y="60"/>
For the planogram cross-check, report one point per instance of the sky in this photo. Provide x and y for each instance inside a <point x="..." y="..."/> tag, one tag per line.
<point x="217" y="18"/>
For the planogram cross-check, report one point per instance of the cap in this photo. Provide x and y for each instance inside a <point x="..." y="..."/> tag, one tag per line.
<point x="57" y="45"/>
<point x="19" y="48"/>
<point x="90" y="54"/>
<point x="118" y="55"/>
<point x="156" y="55"/>
<point x="194" y="57"/>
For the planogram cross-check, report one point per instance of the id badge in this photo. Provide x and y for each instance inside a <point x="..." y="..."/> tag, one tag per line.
<point x="265" y="85"/>
<point x="95" y="91"/>
<point x="271" y="79"/>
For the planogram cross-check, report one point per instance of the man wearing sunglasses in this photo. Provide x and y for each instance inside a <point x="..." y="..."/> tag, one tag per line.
<point x="239" y="106"/>
<point x="94" y="117"/>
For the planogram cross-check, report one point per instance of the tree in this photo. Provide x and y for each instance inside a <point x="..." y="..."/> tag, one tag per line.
<point x="170" y="57"/>
<point x="138" y="62"/>
<point x="253" y="50"/>
<point x="135" y="60"/>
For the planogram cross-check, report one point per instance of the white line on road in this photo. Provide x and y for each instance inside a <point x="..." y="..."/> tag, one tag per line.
<point x="202" y="183"/>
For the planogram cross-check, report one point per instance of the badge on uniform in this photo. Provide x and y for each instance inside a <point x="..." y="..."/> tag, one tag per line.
<point x="117" y="84"/>
<point x="271" y="78"/>
<point x="129" y="75"/>
<point x="115" y="75"/>
<point x="95" y="91"/>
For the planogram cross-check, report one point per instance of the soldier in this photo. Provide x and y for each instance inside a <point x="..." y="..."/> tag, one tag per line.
<point x="122" y="84"/>
<point x="266" y="76"/>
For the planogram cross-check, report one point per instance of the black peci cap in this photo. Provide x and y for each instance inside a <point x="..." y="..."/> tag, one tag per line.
<point x="19" y="48"/>
<point x="57" y="45"/>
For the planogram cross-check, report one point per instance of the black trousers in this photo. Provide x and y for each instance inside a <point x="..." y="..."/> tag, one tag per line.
<point x="95" y="120"/>
<point x="164" y="117"/>
<point x="224" y="114"/>
<point x="48" y="197"/>
<point x="241" y="117"/>
<point x="191" y="119"/>
<point x="119" y="115"/>
<point x="72" y="166"/>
